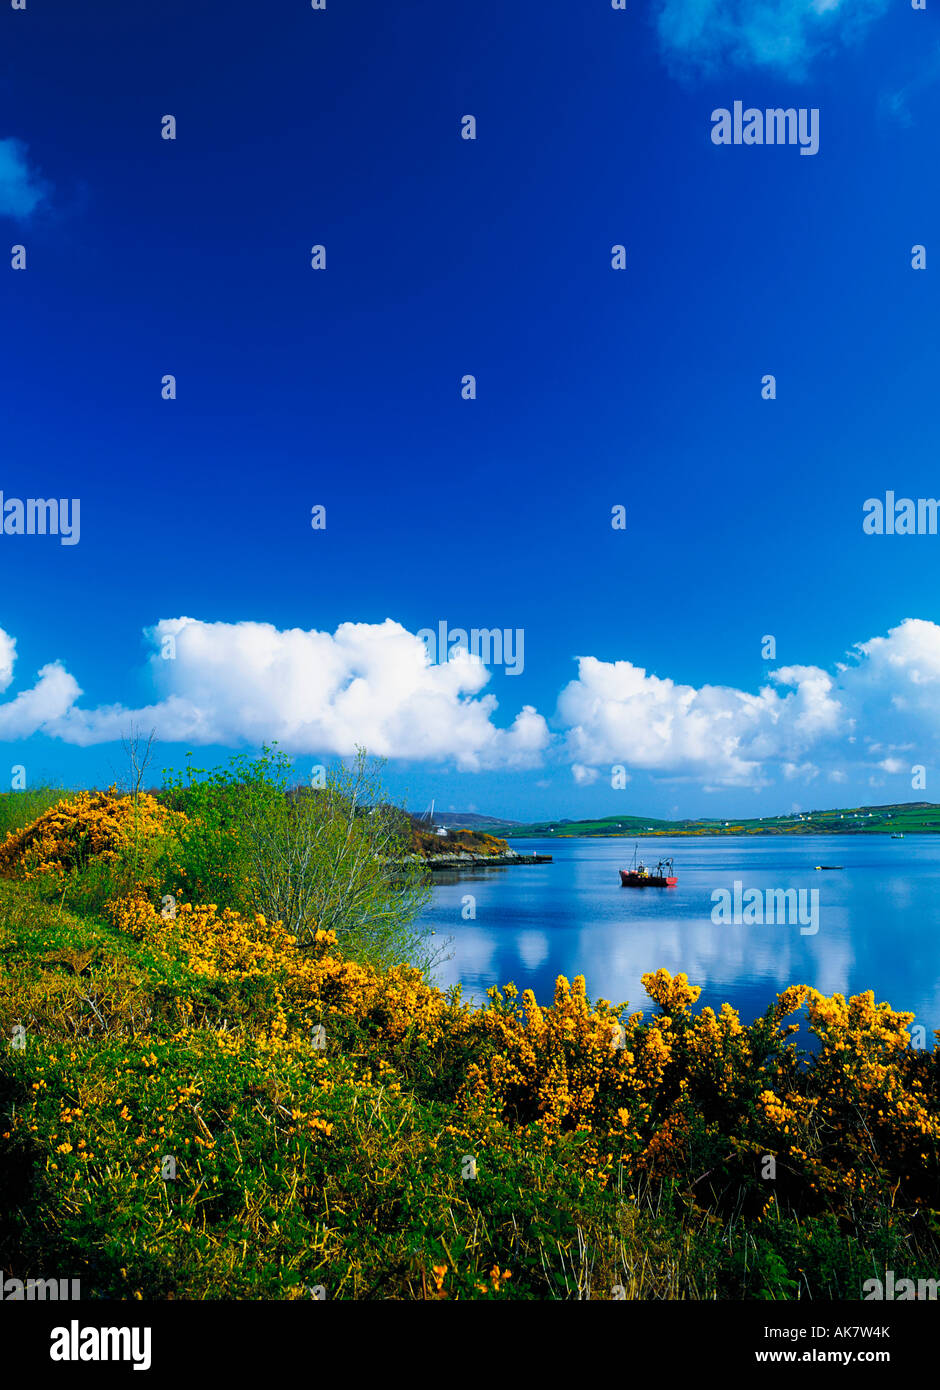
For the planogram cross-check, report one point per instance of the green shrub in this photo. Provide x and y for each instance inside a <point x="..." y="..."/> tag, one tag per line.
<point x="335" y="858"/>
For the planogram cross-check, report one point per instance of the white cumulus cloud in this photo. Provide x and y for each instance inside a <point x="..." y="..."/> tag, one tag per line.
<point x="805" y="719"/>
<point x="372" y="684"/>
<point x="52" y="696"/>
<point x="369" y="684"/>
<point x="782" y="35"/>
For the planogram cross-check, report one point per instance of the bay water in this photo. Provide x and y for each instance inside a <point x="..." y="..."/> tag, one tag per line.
<point x="877" y="919"/>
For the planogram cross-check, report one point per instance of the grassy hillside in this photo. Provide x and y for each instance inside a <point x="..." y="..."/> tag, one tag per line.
<point x="458" y="840"/>
<point x="909" y="818"/>
<point x="469" y="820"/>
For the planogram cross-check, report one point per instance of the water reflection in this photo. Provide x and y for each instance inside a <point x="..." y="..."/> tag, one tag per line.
<point x="879" y="921"/>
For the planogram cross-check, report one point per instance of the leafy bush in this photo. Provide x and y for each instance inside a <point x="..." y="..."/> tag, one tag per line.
<point x="206" y="858"/>
<point x="334" y="858"/>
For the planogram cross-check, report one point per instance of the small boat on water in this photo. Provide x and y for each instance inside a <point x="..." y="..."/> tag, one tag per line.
<point x="896" y="836"/>
<point x="639" y="875"/>
<point x="829" y="866"/>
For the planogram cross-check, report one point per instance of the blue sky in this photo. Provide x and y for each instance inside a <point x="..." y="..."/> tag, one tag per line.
<point x="595" y="388"/>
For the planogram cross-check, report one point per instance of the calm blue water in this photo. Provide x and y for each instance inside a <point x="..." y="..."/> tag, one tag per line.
<point x="879" y="921"/>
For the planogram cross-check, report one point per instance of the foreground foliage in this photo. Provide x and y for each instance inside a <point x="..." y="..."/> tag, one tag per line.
<point x="205" y="1107"/>
<point x="334" y="856"/>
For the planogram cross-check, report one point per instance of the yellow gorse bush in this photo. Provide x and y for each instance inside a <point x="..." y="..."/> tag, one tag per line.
<point x="652" y="1091"/>
<point x="311" y="985"/>
<point x="78" y="829"/>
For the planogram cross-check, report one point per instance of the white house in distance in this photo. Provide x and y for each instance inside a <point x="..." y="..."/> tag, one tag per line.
<point x="429" y="816"/>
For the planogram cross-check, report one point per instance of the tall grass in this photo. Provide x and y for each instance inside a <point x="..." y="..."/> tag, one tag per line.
<point x="19" y="808"/>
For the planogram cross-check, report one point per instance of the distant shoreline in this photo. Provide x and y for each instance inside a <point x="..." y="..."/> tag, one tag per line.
<point x="716" y="834"/>
<point x="898" y="818"/>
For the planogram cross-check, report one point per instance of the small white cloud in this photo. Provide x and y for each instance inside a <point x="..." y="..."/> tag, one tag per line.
<point x="806" y="772"/>
<point x="39" y="709"/>
<point x="7" y="659"/>
<point x="896" y="105"/>
<point x="21" y="188"/>
<point x="780" y="35"/>
<point x="584" y="776"/>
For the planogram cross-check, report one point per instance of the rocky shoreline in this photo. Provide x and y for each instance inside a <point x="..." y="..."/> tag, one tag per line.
<point x="463" y="859"/>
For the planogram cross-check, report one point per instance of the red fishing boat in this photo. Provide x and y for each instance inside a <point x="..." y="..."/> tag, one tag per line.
<point x="640" y="877"/>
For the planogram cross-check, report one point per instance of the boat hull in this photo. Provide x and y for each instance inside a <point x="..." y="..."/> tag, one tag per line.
<point x="631" y="880"/>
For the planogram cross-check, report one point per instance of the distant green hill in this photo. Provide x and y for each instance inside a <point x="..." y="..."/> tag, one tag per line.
<point x="908" y="818"/>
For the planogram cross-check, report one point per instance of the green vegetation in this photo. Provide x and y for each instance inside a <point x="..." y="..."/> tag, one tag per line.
<point x="22" y="807"/>
<point x="908" y="818"/>
<point x="337" y="857"/>
<point x="428" y="843"/>
<point x="199" y="1101"/>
